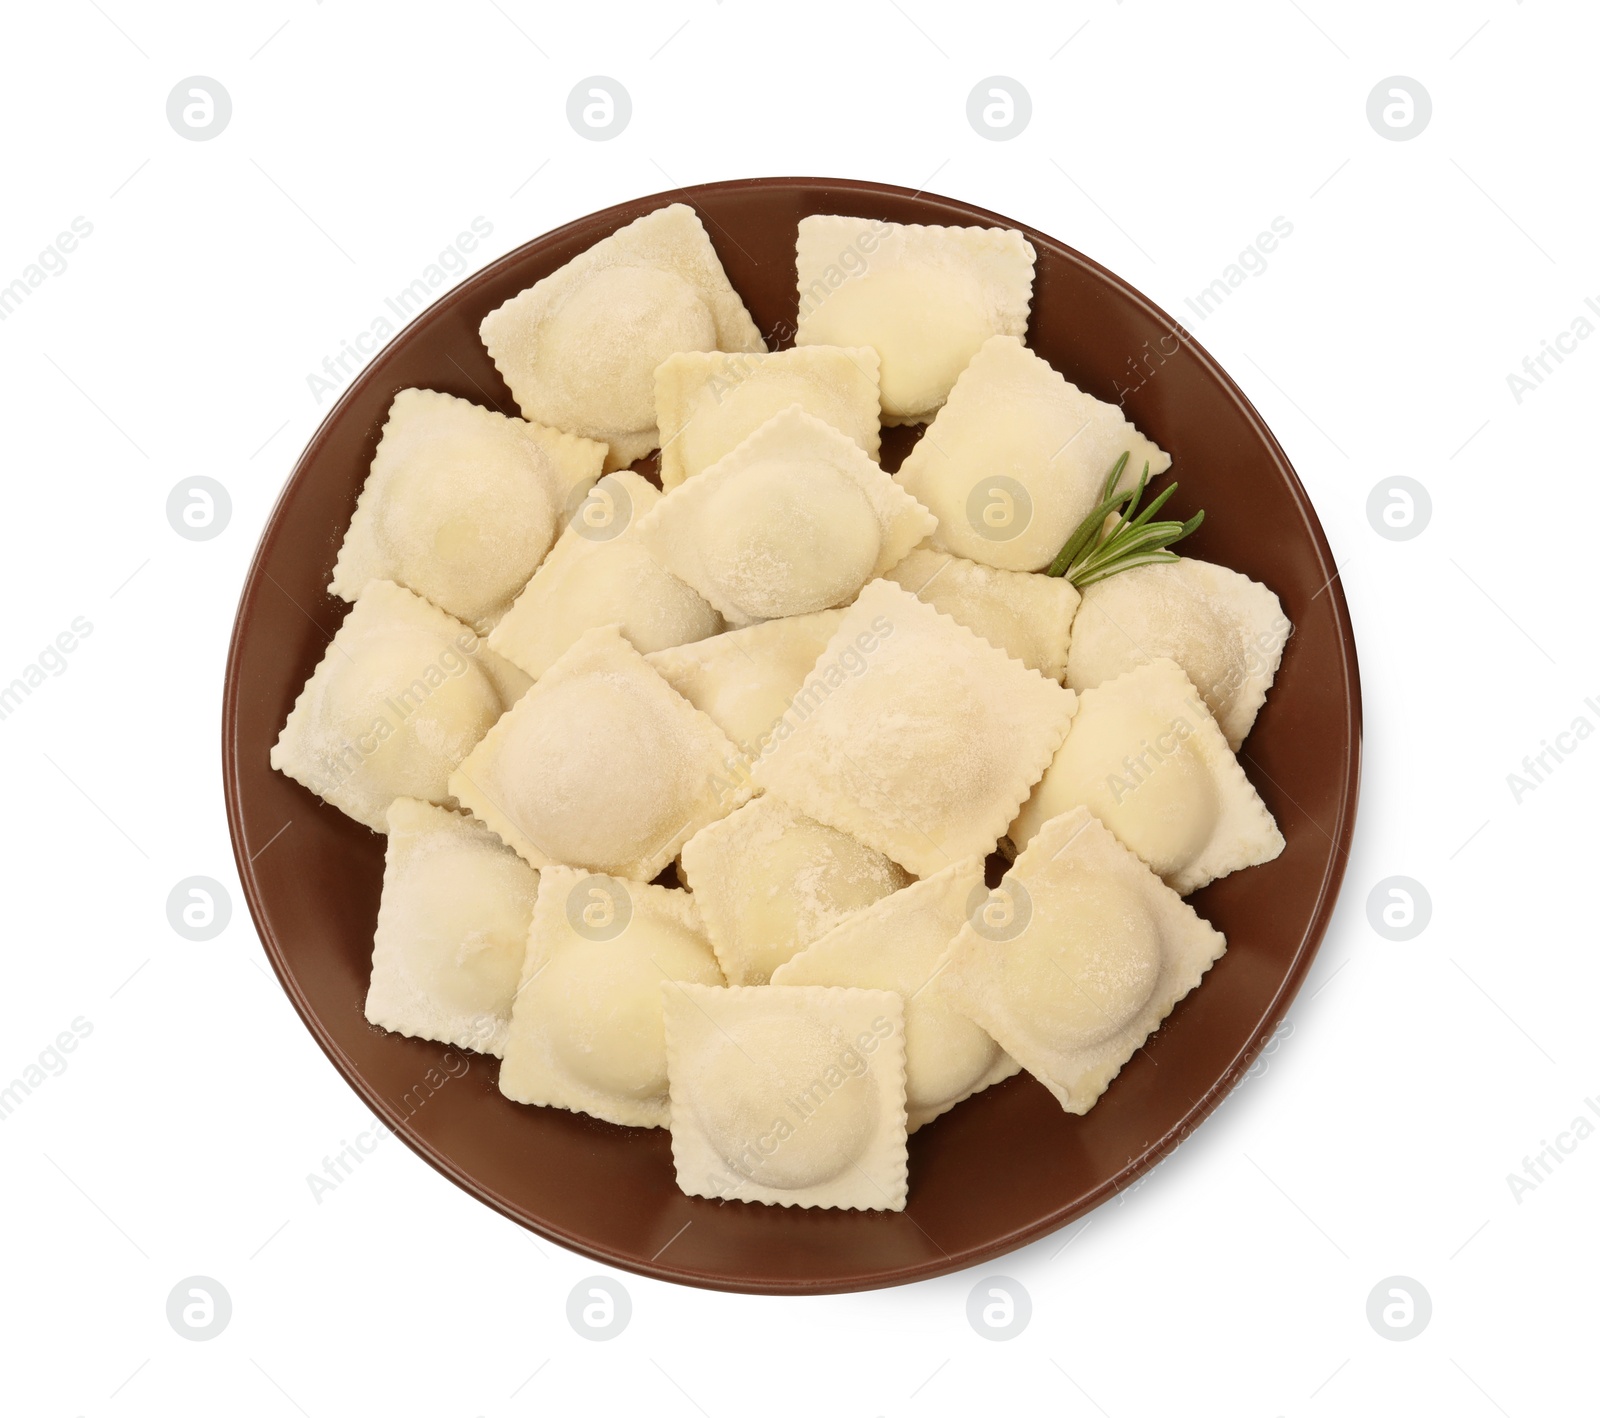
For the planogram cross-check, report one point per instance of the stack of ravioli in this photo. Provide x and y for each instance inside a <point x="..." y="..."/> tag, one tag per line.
<point x="690" y="781"/>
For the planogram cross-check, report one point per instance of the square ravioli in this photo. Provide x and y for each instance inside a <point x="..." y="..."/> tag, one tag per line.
<point x="914" y="735"/>
<point x="452" y="926"/>
<point x="792" y="1097"/>
<point x="461" y="504"/>
<point x="1017" y="458"/>
<point x="599" y="573"/>
<point x="708" y="404"/>
<point x="601" y="765"/>
<point x="1146" y="757"/>
<point x="924" y="297"/>
<point x="587" y="1033"/>
<point x="902" y="943"/>
<point x="1027" y="616"/>
<point x="746" y="679"/>
<point x="402" y="695"/>
<point x="795" y="519"/>
<point x="769" y="881"/>
<point x="579" y="349"/>
<point x="1082" y="957"/>
<point x="1225" y="631"/>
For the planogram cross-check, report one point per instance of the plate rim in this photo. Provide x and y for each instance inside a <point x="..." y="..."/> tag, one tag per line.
<point x="1311" y="937"/>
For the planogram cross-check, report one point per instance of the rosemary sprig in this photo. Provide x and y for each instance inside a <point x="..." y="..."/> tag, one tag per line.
<point x="1094" y="552"/>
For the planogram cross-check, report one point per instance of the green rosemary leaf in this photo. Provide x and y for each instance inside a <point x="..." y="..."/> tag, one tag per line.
<point x="1095" y="551"/>
<point x="1087" y="530"/>
<point x="1113" y="475"/>
<point x="1149" y="559"/>
<point x="1156" y="504"/>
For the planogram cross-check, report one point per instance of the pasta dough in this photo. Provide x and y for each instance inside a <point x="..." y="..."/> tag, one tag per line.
<point x="901" y="943"/>
<point x="1027" y="616"/>
<point x="770" y="881"/>
<point x="795" y="519"/>
<point x="452" y="926"/>
<point x="1146" y="757"/>
<point x="1225" y="631"/>
<point x="579" y="349"/>
<point x="601" y="765"/>
<point x="599" y="573"/>
<point x="925" y="297"/>
<point x="461" y="504"/>
<point x="402" y="695"/>
<point x="1096" y="955"/>
<point x="745" y="679"/>
<point x="1017" y="459"/>
<point x="587" y="1032"/>
<point x="913" y="735"/>
<point x="792" y="1097"/>
<point x="708" y="404"/>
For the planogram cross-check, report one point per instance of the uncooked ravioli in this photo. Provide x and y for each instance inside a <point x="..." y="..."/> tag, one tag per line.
<point x="1225" y="631"/>
<point x="1146" y="757"/>
<point x="913" y="735"/>
<point x="1029" y="617"/>
<point x="401" y="697"/>
<point x="1090" y="965"/>
<point x="587" y="1033"/>
<point x="601" y="765"/>
<point x="1018" y="457"/>
<point x="771" y="880"/>
<point x="580" y="348"/>
<point x="746" y="680"/>
<point x="708" y="404"/>
<point x="900" y="943"/>
<point x="461" y="504"/>
<point x="925" y="297"/>
<point x="452" y="927"/>
<point x="795" y="519"/>
<point x="793" y="1097"/>
<point x="600" y="573"/>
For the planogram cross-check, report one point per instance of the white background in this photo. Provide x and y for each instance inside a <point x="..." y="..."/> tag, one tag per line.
<point x="1377" y="1139"/>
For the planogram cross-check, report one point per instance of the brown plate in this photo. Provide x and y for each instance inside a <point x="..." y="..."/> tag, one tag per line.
<point x="998" y="1171"/>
